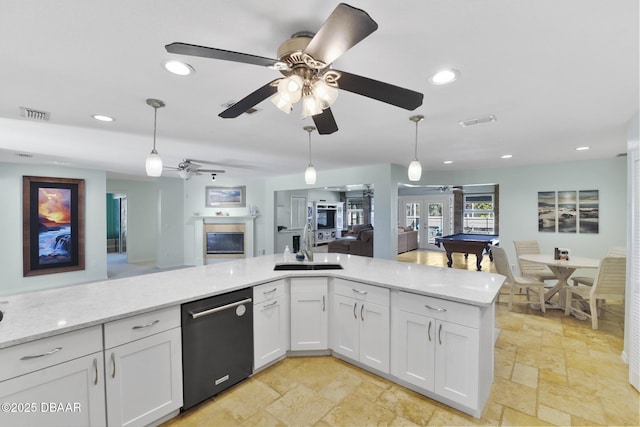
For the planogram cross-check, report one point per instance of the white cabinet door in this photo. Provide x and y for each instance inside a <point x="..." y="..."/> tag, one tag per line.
<point x="360" y="328"/>
<point x="457" y="372"/>
<point x="144" y="379"/>
<point x="309" y="319"/>
<point x="68" y="394"/>
<point x="269" y="331"/>
<point x="413" y="349"/>
<point x="374" y="335"/>
<point x="346" y="327"/>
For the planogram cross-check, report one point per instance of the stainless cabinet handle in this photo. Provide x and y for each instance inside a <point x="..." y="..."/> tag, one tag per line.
<point x="113" y="364"/>
<point x="429" y="330"/>
<point x="359" y="291"/>
<point x="440" y="334"/>
<point x="269" y="292"/>
<point x="95" y="368"/>
<point x="48" y="353"/>
<point x="361" y="312"/>
<point x="323" y="303"/>
<point x="442" y="310"/>
<point x="355" y="315"/>
<point x="218" y="309"/>
<point x="148" y="325"/>
<point x="270" y="304"/>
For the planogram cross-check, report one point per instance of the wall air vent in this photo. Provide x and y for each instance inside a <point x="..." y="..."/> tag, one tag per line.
<point x="478" y="121"/>
<point x="31" y="114"/>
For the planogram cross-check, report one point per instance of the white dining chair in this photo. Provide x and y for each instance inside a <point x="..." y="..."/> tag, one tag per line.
<point x="614" y="251"/>
<point x="609" y="284"/>
<point x="502" y="266"/>
<point x="529" y="268"/>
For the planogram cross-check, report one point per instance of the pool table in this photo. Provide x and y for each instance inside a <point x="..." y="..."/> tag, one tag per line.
<point x="467" y="244"/>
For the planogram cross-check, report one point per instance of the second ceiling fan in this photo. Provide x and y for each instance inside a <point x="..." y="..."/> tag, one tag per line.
<point x="305" y="62"/>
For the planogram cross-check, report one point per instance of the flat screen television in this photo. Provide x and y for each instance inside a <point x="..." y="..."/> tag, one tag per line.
<point x="326" y="218"/>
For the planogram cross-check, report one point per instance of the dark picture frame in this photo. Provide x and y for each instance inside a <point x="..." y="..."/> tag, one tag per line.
<point x="53" y="218"/>
<point x="225" y="197"/>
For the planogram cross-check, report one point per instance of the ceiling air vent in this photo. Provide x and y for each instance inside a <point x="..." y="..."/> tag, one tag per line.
<point x="478" y="121"/>
<point x="30" y="113"/>
<point x="250" y="111"/>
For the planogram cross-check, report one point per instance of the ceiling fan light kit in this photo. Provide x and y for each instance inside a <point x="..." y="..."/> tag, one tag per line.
<point x="153" y="163"/>
<point x="414" y="172"/>
<point x="305" y="62"/>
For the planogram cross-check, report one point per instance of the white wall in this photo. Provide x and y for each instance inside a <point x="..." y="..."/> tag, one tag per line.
<point x="142" y="217"/>
<point x="11" y="280"/>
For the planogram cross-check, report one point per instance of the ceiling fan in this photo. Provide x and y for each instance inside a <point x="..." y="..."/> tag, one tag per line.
<point x="305" y="62"/>
<point x="188" y="168"/>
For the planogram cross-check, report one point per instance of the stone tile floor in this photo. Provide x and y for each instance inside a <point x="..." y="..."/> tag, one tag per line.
<point x="549" y="370"/>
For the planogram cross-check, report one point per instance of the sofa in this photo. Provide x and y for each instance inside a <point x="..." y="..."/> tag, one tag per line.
<point x="407" y="239"/>
<point x="358" y="241"/>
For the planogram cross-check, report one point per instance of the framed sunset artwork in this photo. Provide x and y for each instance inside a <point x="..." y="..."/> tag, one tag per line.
<point x="53" y="225"/>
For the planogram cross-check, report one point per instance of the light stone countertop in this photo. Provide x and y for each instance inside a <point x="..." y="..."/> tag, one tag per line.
<point x="36" y="315"/>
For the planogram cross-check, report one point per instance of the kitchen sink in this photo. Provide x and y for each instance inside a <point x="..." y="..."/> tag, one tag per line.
<point x="307" y="266"/>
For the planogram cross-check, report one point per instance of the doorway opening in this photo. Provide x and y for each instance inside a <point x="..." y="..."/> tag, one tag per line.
<point x="116" y="231"/>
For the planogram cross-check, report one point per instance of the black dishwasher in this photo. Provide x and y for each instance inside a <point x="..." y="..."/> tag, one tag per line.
<point x="217" y="344"/>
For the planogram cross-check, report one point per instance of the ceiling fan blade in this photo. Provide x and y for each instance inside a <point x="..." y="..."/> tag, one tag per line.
<point x="343" y="29"/>
<point x="212" y="170"/>
<point x="249" y="101"/>
<point x="325" y="122"/>
<point x="225" y="55"/>
<point x="385" y="92"/>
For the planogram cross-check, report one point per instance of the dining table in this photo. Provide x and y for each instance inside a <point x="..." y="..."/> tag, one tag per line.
<point x="562" y="269"/>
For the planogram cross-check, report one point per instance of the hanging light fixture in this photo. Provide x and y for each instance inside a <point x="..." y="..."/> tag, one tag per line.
<point x="310" y="172"/>
<point x="415" y="168"/>
<point x="153" y="164"/>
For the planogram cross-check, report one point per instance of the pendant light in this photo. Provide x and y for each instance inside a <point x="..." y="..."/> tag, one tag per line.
<point x="415" y="168"/>
<point x="153" y="164"/>
<point x="310" y="172"/>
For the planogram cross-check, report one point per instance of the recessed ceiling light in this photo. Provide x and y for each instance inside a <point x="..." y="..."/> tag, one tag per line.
<point x="582" y="148"/>
<point x="178" y="68"/>
<point x="506" y="156"/>
<point x="103" y="118"/>
<point x="444" y="77"/>
<point x="448" y="162"/>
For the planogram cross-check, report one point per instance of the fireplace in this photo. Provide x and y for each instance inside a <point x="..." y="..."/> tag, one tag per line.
<point x="224" y="240"/>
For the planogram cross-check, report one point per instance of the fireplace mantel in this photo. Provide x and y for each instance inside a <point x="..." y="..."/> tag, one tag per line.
<point x="198" y="233"/>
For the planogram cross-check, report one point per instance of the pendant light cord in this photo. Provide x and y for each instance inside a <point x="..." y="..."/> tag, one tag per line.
<point x="310" y="164"/>
<point x="416" y="147"/>
<point x="155" y="121"/>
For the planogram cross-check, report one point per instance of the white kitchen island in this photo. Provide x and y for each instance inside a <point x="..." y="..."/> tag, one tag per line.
<point x="438" y="327"/>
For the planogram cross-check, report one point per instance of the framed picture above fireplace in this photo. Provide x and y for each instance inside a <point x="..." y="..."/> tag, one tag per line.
<point x="225" y="197"/>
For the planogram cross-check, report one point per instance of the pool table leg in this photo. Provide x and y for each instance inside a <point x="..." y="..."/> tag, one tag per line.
<point x="450" y="262"/>
<point x="478" y="261"/>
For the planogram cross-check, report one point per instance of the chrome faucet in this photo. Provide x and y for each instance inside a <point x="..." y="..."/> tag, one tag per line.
<point x="308" y="251"/>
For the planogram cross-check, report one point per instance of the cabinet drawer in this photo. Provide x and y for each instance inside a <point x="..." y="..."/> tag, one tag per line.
<point x="454" y="312"/>
<point x="32" y="356"/>
<point x="143" y="325"/>
<point x="361" y="291"/>
<point x="268" y="291"/>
